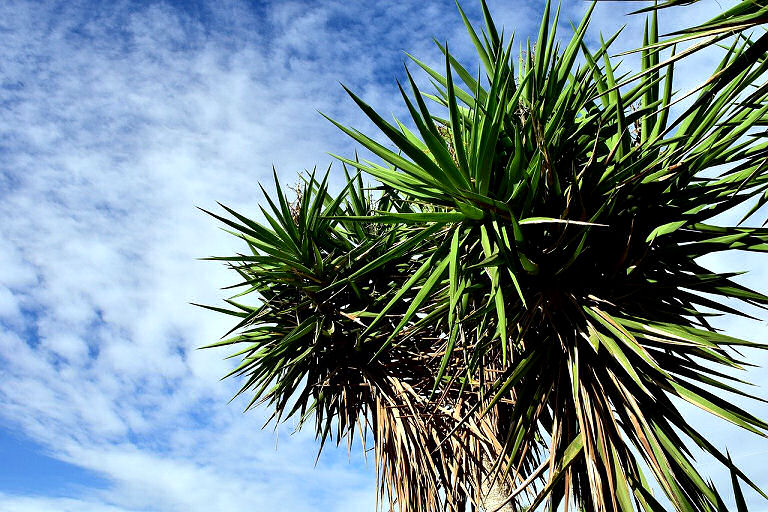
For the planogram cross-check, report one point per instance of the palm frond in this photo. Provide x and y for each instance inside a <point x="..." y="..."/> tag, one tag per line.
<point x="520" y="301"/>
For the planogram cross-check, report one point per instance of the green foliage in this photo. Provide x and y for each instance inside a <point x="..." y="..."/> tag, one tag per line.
<point x="520" y="299"/>
<point x="745" y="15"/>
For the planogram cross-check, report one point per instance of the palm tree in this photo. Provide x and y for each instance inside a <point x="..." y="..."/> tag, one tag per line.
<point x="744" y="16"/>
<point x="510" y="312"/>
<point x="739" y="20"/>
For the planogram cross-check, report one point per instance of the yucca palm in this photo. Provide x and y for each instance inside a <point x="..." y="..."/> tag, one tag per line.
<point x="518" y="301"/>
<point x="739" y="20"/>
<point x="743" y="16"/>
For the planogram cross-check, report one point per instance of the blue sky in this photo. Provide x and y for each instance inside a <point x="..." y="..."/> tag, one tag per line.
<point x="118" y="118"/>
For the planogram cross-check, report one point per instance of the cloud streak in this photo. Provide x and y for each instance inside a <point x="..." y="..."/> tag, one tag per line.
<point x="118" y="120"/>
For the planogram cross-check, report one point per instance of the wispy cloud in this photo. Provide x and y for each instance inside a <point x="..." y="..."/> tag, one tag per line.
<point x="119" y="118"/>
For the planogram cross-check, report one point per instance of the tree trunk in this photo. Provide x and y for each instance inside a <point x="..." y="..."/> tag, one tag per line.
<point x="493" y="493"/>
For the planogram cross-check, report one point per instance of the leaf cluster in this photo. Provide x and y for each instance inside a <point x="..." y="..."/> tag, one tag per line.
<point x="519" y="301"/>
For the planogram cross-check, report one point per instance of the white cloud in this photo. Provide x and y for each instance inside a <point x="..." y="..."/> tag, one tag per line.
<point x="118" y="120"/>
<point x="9" y="503"/>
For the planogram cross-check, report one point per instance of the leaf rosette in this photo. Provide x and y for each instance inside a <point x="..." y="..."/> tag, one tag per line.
<point x="518" y="303"/>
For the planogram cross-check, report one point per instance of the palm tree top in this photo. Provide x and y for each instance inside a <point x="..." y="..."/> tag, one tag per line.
<point x="517" y="302"/>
